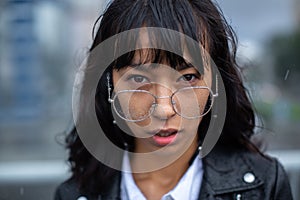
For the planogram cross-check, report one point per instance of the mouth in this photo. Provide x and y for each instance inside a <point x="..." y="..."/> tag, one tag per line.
<point x="165" y="137"/>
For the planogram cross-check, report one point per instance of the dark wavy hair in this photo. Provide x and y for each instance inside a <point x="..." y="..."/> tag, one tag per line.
<point x="201" y="20"/>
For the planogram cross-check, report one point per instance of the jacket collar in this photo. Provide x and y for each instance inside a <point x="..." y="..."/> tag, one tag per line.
<point x="228" y="174"/>
<point x="114" y="189"/>
<point x="222" y="174"/>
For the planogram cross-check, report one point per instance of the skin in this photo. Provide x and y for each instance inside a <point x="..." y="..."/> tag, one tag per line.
<point x="161" y="81"/>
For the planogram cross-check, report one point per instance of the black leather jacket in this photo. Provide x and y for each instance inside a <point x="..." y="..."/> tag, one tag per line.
<point x="228" y="174"/>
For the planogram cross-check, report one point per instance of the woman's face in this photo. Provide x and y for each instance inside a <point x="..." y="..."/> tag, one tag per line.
<point x="159" y="104"/>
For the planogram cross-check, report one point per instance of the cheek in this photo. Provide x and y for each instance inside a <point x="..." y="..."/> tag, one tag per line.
<point x="191" y="126"/>
<point x="138" y="129"/>
<point x="139" y="108"/>
<point x="191" y="103"/>
<point x="143" y="124"/>
<point x="202" y="100"/>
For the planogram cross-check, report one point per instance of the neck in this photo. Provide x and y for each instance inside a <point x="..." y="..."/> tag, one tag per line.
<point x="161" y="181"/>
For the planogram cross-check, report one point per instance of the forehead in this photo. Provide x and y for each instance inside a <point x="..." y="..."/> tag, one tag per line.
<point x="168" y="41"/>
<point x="145" y="58"/>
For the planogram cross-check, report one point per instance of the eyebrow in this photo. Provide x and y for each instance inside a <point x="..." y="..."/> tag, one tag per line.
<point x="146" y="67"/>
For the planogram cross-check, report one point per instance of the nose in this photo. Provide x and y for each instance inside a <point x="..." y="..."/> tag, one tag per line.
<point x="164" y="107"/>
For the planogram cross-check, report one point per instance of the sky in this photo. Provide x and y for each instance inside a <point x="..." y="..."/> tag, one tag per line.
<point x="257" y="20"/>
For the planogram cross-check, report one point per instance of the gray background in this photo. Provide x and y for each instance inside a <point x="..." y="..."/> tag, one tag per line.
<point x="42" y="42"/>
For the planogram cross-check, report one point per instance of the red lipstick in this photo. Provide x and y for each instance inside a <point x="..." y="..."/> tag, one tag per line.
<point x="165" y="137"/>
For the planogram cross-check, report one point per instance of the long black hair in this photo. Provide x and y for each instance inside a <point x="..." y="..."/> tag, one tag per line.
<point x="201" y="20"/>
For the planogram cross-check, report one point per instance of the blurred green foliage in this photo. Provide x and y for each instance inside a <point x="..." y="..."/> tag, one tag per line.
<point x="295" y="112"/>
<point x="285" y="50"/>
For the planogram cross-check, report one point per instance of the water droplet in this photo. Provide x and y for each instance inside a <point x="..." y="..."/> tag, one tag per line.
<point x="286" y="74"/>
<point x="22" y="191"/>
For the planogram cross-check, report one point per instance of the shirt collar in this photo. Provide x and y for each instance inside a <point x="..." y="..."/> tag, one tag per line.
<point x="129" y="189"/>
<point x="188" y="186"/>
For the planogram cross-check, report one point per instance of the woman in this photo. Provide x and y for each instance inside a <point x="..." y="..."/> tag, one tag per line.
<point x="157" y="100"/>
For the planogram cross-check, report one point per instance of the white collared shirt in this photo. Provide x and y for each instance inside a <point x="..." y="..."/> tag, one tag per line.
<point x="188" y="186"/>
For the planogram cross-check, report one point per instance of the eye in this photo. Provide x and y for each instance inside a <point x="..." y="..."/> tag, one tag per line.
<point x="138" y="79"/>
<point x="188" y="78"/>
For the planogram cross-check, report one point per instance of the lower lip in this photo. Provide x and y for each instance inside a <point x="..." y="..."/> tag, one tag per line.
<point x="163" y="141"/>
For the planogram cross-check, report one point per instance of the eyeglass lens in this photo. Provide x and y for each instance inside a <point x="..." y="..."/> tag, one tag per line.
<point x="138" y="105"/>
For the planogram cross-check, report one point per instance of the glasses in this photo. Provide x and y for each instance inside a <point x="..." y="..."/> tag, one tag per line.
<point x="138" y="105"/>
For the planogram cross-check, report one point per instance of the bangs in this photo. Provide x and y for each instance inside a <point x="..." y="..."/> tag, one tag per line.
<point x="176" y="15"/>
<point x="158" y="56"/>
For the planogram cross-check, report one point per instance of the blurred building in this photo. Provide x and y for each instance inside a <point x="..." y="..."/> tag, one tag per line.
<point x="39" y="46"/>
<point x="297" y="11"/>
<point x="22" y="76"/>
<point x="42" y="43"/>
